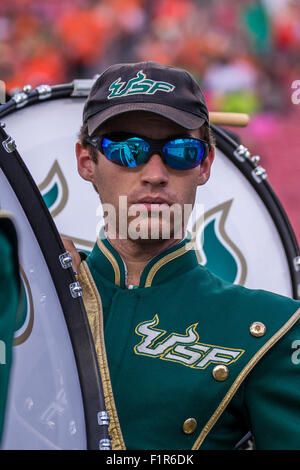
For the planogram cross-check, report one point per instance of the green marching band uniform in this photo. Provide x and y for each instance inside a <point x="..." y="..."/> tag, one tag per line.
<point x="190" y="361"/>
<point x="9" y="303"/>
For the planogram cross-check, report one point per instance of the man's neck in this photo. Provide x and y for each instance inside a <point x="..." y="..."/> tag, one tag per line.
<point x="137" y="253"/>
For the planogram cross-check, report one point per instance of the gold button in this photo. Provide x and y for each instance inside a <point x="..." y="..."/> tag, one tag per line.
<point x="257" y="329"/>
<point x="220" y="373"/>
<point x="189" y="425"/>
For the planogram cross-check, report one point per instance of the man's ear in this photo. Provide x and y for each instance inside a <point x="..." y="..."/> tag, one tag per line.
<point x="85" y="164"/>
<point x="205" y="167"/>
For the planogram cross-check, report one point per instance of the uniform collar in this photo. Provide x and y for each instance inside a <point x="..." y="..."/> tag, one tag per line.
<point x="168" y="264"/>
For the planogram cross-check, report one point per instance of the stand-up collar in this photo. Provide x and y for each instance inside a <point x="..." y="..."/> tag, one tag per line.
<point x="168" y="264"/>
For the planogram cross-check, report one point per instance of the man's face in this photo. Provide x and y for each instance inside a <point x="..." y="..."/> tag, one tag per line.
<point x="153" y="184"/>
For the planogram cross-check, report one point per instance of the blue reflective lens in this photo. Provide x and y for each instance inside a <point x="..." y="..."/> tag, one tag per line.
<point x="182" y="154"/>
<point x="130" y="152"/>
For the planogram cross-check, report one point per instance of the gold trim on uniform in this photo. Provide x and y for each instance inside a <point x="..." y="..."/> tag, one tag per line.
<point x="93" y="306"/>
<point x="111" y="259"/>
<point x="159" y="264"/>
<point x="241" y="377"/>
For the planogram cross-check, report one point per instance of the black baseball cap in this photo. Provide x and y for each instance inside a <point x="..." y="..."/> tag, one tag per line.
<point x="146" y="86"/>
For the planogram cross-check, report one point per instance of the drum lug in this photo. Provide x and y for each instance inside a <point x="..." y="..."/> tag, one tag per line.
<point x="259" y="174"/>
<point x="104" y="444"/>
<point x="44" y="91"/>
<point x="242" y="153"/>
<point x="255" y="159"/>
<point x="297" y="263"/>
<point x="9" y="144"/>
<point x="65" y="260"/>
<point x="20" y="99"/>
<point x="103" y="418"/>
<point x="82" y="87"/>
<point x="27" y="89"/>
<point x="75" y="289"/>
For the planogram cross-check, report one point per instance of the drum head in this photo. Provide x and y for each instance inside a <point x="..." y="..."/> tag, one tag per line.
<point x="55" y="389"/>
<point x="44" y="404"/>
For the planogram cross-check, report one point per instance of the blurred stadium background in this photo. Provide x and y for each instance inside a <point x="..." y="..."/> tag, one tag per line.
<point x="246" y="54"/>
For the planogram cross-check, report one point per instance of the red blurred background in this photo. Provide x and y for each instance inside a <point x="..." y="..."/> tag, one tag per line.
<point x="245" y="53"/>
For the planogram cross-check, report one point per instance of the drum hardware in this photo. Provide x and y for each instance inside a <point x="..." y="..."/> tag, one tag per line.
<point x="20" y="99"/>
<point x="65" y="260"/>
<point x="104" y="444"/>
<point x="242" y="153"/>
<point x="56" y="309"/>
<point x="44" y="91"/>
<point x="255" y="159"/>
<point x="259" y="174"/>
<point x="27" y="89"/>
<point x="103" y="418"/>
<point x="82" y="87"/>
<point x="2" y="124"/>
<point x="9" y="144"/>
<point x="75" y="289"/>
<point x="297" y="263"/>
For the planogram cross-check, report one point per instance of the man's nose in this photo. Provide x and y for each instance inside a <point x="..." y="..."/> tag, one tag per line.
<point x="155" y="171"/>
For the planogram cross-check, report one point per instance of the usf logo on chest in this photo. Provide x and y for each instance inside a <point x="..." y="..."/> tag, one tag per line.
<point x="184" y="349"/>
<point x="139" y="85"/>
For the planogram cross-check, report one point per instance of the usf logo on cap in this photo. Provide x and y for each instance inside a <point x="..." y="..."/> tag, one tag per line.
<point x="139" y="85"/>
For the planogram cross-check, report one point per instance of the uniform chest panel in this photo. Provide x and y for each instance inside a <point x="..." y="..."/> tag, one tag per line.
<point x="161" y="370"/>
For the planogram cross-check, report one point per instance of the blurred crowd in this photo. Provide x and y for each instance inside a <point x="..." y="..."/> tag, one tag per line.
<point x="244" y="52"/>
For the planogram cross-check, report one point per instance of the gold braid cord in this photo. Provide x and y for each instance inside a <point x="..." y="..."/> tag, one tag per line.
<point x="93" y="306"/>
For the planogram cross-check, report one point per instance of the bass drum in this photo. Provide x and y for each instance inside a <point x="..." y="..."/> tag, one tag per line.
<point x="244" y="237"/>
<point x="55" y="393"/>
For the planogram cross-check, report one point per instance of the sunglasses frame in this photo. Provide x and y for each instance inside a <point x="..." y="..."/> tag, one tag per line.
<point x="156" y="145"/>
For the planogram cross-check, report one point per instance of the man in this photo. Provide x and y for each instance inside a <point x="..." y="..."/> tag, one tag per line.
<point x="187" y="360"/>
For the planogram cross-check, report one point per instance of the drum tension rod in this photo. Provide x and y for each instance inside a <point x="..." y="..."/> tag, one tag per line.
<point x="75" y="289"/>
<point x="297" y="263"/>
<point x="103" y="420"/>
<point x="9" y="144"/>
<point x="20" y="99"/>
<point x="66" y="263"/>
<point x="65" y="260"/>
<point x="259" y="174"/>
<point x="242" y="154"/>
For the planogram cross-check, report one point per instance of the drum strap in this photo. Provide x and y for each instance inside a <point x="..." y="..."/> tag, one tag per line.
<point x="93" y="306"/>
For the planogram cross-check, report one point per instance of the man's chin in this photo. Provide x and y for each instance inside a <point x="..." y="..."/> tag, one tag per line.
<point x="153" y="230"/>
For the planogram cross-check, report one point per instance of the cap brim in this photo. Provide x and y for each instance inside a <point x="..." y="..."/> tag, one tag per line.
<point x="184" y="119"/>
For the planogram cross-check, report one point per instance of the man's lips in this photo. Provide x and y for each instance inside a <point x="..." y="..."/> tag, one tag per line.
<point x="152" y="200"/>
<point x="152" y="204"/>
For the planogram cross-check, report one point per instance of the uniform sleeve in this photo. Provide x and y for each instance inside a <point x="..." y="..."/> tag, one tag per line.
<point x="272" y="395"/>
<point x="9" y="298"/>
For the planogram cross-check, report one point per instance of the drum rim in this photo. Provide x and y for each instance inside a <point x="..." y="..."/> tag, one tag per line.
<point x="73" y="309"/>
<point x="43" y="93"/>
<point x="226" y="143"/>
<point x="229" y="146"/>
